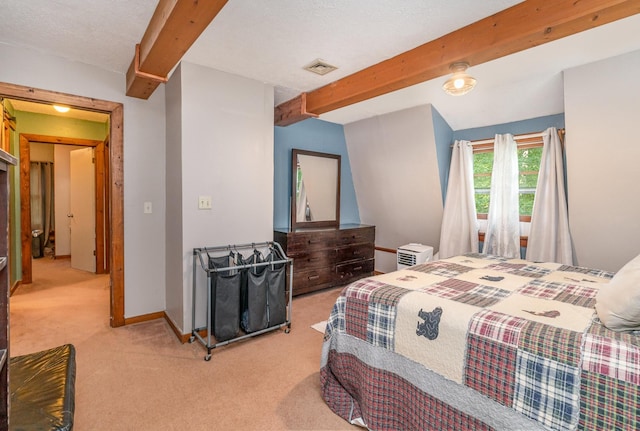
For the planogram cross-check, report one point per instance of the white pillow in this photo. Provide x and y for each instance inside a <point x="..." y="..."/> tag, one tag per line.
<point x="618" y="302"/>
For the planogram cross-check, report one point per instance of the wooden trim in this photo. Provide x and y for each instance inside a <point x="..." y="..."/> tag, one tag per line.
<point x="30" y="94"/>
<point x="184" y="338"/>
<point x="174" y="27"/>
<point x="116" y="179"/>
<point x="523" y="239"/>
<point x="25" y="202"/>
<point x="523" y="142"/>
<point x="25" y="210"/>
<point x="15" y="286"/>
<point x="144" y="318"/>
<point x="100" y="186"/>
<point x="116" y="194"/>
<point x="386" y="250"/>
<point x="107" y="198"/>
<point x="45" y="139"/>
<point x="523" y="218"/>
<point x="63" y="256"/>
<point x="523" y="26"/>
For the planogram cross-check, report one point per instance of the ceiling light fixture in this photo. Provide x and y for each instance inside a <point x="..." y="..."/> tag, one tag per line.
<point x="460" y="82"/>
<point x="60" y="108"/>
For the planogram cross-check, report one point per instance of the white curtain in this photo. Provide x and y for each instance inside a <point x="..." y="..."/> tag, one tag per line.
<point x="549" y="237"/>
<point x="503" y="221"/>
<point x="459" y="232"/>
<point x="41" y="190"/>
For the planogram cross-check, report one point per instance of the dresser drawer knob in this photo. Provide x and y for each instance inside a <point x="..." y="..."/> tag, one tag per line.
<point x="314" y="277"/>
<point x="357" y="268"/>
<point x="313" y="259"/>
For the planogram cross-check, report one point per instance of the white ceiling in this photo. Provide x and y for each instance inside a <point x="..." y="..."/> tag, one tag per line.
<point x="273" y="40"/>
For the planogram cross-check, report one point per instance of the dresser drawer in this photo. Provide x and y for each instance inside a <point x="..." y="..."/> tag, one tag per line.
<point x="354" y="252"/>
<point x="354" y="236"/>
<point x="307" y="260"/>
<point x="312" y="240"/>
<point x="307" y="281"/>
<point x="348" y="272"/>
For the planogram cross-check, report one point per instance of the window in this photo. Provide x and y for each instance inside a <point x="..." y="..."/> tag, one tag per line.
<point x="529" y="156"/>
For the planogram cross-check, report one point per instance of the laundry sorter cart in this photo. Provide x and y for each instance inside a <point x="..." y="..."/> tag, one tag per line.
<point x="247" y="292"/>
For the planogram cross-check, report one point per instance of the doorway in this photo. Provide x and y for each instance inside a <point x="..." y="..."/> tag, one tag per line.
<point x="114" y="203"/>
<point x="101" y="222"/>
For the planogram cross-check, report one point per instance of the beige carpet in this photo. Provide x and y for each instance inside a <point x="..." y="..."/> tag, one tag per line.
<point x="140" y="377"/>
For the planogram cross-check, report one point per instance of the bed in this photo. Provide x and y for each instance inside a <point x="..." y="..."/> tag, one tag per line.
<point x="478" y="342"/>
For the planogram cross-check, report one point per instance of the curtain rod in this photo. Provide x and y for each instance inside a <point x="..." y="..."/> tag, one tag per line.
<point x="515" y="137"/>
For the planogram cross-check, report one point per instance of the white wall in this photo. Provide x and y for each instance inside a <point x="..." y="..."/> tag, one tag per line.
<point x="226" y="152"/>
<point x="144" y="161"/>
<point x="396" y="177"/>
<point x="174" y="260"/>
<point x="602" y="108"/>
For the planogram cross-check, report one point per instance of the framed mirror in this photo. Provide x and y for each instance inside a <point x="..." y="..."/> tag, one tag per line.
<point x="315" y="189"/>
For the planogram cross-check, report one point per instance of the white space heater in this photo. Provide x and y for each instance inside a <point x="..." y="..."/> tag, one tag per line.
<point x="413" y="254"/>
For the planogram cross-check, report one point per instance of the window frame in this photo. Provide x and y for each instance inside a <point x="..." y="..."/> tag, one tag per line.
<point x="523" y="142"/>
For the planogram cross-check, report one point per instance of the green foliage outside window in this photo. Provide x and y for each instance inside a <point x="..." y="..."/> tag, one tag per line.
<point x="528" y="166"/>
<point x="482" y="167"/>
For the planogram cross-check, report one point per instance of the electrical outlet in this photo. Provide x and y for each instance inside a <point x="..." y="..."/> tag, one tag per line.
<point x="204" y="202"/>
<point x="148" y="207"/>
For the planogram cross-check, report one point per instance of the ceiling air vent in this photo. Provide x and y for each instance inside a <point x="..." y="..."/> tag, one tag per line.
<point x="320" y="67"/>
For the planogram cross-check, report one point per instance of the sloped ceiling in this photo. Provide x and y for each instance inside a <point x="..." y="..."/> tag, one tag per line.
<point x="271" y="41"/>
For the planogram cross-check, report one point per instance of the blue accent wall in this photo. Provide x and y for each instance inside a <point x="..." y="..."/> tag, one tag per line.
<point x="311" y="135"/>
<point x="443" y="135"/>
<point x="531" y="125"/>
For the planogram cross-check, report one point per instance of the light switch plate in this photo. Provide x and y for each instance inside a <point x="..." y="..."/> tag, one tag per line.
<point x="204" y="202"/>
<point x="148" y="207"/>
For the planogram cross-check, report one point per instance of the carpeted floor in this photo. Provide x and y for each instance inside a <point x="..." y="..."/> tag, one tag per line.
<point x="140" y="377"/>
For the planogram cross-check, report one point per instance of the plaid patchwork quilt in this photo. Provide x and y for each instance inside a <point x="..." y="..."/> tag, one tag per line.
<point x="522" y="334"/>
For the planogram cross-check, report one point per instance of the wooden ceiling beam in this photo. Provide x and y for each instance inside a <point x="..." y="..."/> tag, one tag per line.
<point x="523" y="26"/>
<point x="174" y="27"/>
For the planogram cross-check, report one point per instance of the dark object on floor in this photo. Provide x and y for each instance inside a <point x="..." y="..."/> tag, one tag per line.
<point x="37" y="243"/>
<point x="42" y="390"/>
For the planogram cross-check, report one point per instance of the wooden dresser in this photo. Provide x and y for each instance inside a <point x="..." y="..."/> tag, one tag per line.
<point x="328" y="257"/>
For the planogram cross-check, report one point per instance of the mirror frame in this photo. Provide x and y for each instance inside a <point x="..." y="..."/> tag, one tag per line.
<point x="294" y="163"/>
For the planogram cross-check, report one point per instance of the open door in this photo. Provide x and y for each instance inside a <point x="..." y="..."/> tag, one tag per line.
<point x="82" y="210"/>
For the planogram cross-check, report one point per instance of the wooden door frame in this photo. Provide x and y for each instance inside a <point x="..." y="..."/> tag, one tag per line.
<point x="26" y="139"/>
<point x="115" y="192"/>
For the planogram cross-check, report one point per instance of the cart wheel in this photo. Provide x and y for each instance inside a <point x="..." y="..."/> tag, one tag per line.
<point x="192" y="339"/>
<point x="207" y="358"/>
<point x="287" y="330"/>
